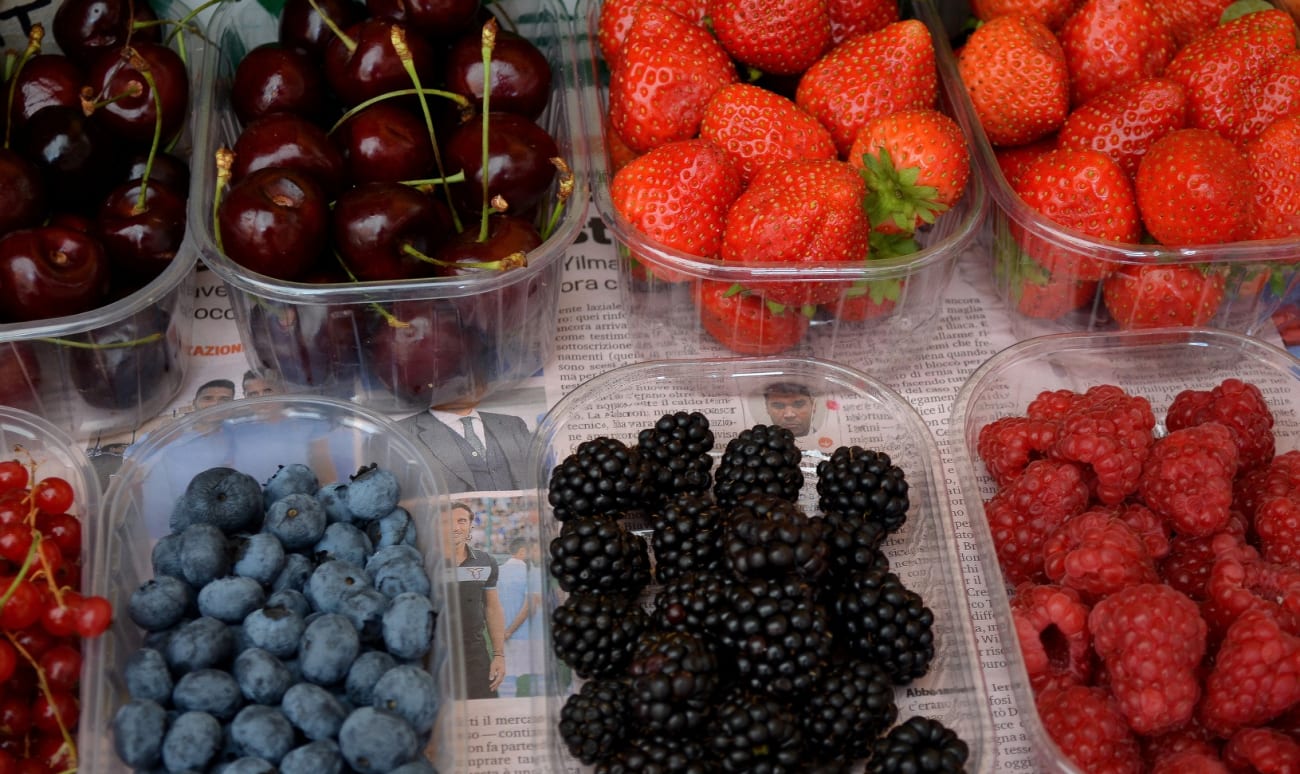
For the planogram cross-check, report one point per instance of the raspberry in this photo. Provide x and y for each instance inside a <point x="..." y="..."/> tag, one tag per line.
<point x="1111" y="432"/>
<point x="1187" y="479"/>
<point x="1187" y="408"/>
<point x="1085" y="722"/>
<point x="1052" y="626"/>
<point x="1192" y="737"/>
<point x="1008" y="444"/>
<point x="1279" y="478"/>
<point x="1189" y="762"/>
<point x="1151" y="639"/>
<point x="1149" y="527"/>
<point x="1262" y="749"/>
<point x="1097" y="554"/>
<point x="1277" y="525"/>
<point x="1240" y="581"/>
<point x="1189" y="562"/>
<point x="1255" y="677"/>
<point x="1024" y="513"/>
<point x="1054" y="404"/>
<point x="1237" y="405"/>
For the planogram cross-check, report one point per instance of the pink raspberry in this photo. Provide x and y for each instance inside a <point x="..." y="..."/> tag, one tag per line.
<point x="1098" y="554"/>
<point x="1240" y="582"/>
<point x="1008" y="444"/>
<point x="1150" y="527"/>
<point x="1085" y="722"/>
<point x="1190" y="560"/>
<point x="1187" y="479"/>
<point x="1279" y="478"/>
<point x="1263" y="750"/>
<point x="1237" y="405"/>
<point x="1111" y="433"/>
<point x="1052" y="627"/>
<point x="1255" y="677"/>
<point x="1189" y="762"/>
<point x="1053" y="404"/>
<point x="1025" y="512"/>
<point x="1191" y="737"/>
<point x="1277" y="525"/>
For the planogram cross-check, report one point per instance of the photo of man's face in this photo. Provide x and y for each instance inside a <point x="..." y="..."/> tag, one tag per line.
<point x="790" y="409"/>
<point x="212" y="395"/>
<point x="461" y="521"/>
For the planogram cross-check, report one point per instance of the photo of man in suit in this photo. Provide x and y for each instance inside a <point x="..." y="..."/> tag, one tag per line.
<point x="475" y="451"/>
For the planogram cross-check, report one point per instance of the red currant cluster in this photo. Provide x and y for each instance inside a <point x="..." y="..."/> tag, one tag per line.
<point x="42" y="618"/>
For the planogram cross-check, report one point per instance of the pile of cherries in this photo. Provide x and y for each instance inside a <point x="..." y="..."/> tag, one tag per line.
<point x="43" y="618"/>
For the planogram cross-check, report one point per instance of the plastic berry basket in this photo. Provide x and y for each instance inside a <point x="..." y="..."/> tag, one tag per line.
<point x="1157" y="364"/>
<point x="321" y="338"/>
<point x="662" y="312"/>
<point x="850" y="408"/>
<point x="256" y="436"/>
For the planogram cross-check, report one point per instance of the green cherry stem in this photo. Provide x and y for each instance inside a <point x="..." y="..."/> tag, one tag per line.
<point x="563" y="192"/>
<point x="142" y="67"/>
<point x="89" y="104"/>
<point x="34" y="39"/>
<point x="459" y="99"/>
<point x="427" y="184"/>
<point x="151" y="338"/>
<point x="513" y="261"/>
<point x="388" y="316"/>
<point x="397" y="36"/>
<point x="489" y="42"/>
<point x="334" y="28"/>
<point x="225" y="161"/>
<point x="189" y="17"/>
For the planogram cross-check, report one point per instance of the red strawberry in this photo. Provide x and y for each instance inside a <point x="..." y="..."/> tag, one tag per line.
<point x="866" y="300"/>
<point x="1014" y="159"/>
<point x="616" y="18"/>
<point x="1015" y="72"/>
<point x="851" y="18"/>
<point x="1274" y="159"/>
<point x="745" y="323"/>
<point x="799" y="213"/>
<point x="875" y="74"/>
<point x="1273" y="96"/>
<point x="1189" y="19"/>
<point x="1125" y="121"/>
<point x="668" y="69"/>
<point x="916" y="167"/>
<point x="618" y="155"/>
<point x="783" y="37"/>
<point x="1051" y="13"/>
<point x="1108" y="43"/>
<point x="1053" y="297"/>
<point x="1159" y="295"/>
<point x="757" y="128"/>
<point x="1194" y="188"/>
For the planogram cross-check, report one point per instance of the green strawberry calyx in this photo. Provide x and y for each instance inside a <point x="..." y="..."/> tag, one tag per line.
<point x="885" y="246"/>
<point x="1243" y="8"/>
<point x="879" y="291"/>
<point x="775" y="307"/>
<point x="893" y="194"/>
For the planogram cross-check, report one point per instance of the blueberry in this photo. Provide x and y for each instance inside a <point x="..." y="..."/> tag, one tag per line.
<point x="259" y="556"/>
<point x="138" y="728"/>
<point x="376" y="742"/>
<point x="385" y="554"/>
<point x="365" y="608"/>
<point x="203" y="642"/>
<point x="319" y="757"/>
<point x="297" y="519"/>
<point x="392" y="529"/>
<point x="263" y="732"/>
<point x="231" y="598"/>
<point x="417" y="766"/>
<point x="296" y="478"/>
<point x="166" y="556"/>
<point x="345" y="543"/>
<point x="290" y="599"/>
<point x="364" y="673"/>
<point x="239" y="640"/>
<point x="192" y="740"/>
<point x="158" y="640"/>
<point x="160" y="603"/>
<point x="409" y="691"/>
<point x="147" y="676"/>
<point x="333" y="498"/>
<point x="329" y="646"/>
<point x="327" y="585"/>
<point x="205" y="554"/>
<point x="208" y="690"/>
<point x="372" y="493"/>
<point x="276" y="629"/>
<point x="297" y="569"/>
<point x="247" y="765"/>
<point x="401" y="576"/>
<point x="222" y="497"/>
<point x="313" y="710"/>
<point x="262" y="678"/>
<point x="408" y="626"/>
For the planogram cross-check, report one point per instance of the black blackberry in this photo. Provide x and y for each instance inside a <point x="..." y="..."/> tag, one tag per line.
<point x="597" y="553"/>
<point x="851" y="706"/>
<point x="603" y="476"/>
<point x="919" y="746"/>
<point x="752" y="732"/>
<point x="854" y="543"/>
<point x="680" y="444"/>
<point x="767" y="537"/>
<point x="692" y="603"/>
<point x="595" y="633"/>
<point x="660" y="755"/>
<point x="764" y="458"/>
<point x="674" y="676"/>
<point x="860" y="481"/>
<point x="884" y="621"/>
<point x="687" y="536"/>
<point x="594" y="721"/>
<point x="779" y="635"/>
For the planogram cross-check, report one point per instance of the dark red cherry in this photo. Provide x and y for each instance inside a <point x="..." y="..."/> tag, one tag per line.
<point x="375" y="224"/>
<point x="521" y="76"/>
<point x="50" y="271"/>
<point x="46" y="79"/>
<point x="301" y="26"/>
<point x="20" y="375"/>
<point x="385" y="143"/>
<point x="431" y="357"/>
<point x="22" y="192"/>
<point x="372" y="66"/>
<point x="519" y="162"/>
<point x="273" y="78"/>
<point x="73" y="220"/>
<point x="86" y="28"/>
<point x="141" y="241"/>
<point x="431" y="18"/>
<point x="168" y="169"/>
<point x="75" y="154"/>
<point x="126" y="363"/>
<point x="132" y="117"/>
<point x="288" y="140"/>
<point x="509" y="240"/>
<point x="274" y="222"/>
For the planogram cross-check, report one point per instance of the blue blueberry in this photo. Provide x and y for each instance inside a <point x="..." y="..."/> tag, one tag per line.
<point x="408" y="626"/>
<point x="138" y="729"/>
<point x="147" y="676"/>
<point x="213" y="691"/>
<point x="205" y="554"/>
<point x="331" y="580"/>
<point x="401" y="576"/>
<point x="417" y="766"/>
<point x="275" y="629"/>
<point x="376" y="742"/>
<point x="365" y="608"/>
<point x="345" y="543"/>
<point x="392" y="529"/>
<point x="222" y="497"/>
<point x="247" y="765"/>
<point x="314" y="711"/>
<point x="231" y="598"/>
<point x="263" y="732"/>
<point x="291" y="599"/>
<point x="297" y="519"/>
<point x="385" y="554"/>
<point x="262" y="678"/>
<point x="329" y="646"/>
<point x="364" y="673"/>
<point x="192" y="740"/>
<point x="295" y="478"/>
<point x="259" y="556"/>
<point x="198" y="644"/>
<point x="372" y="493"/>
<point x="409" y="691"/>
<point x="319" y="757"/>
<point x="160" y="603"/>
<point x="333" y="498"/>
<point x="166" y="556"/>
<point x="158" y="640"/>
<point x="297" y="569"/>
<point x="239" y="640"/>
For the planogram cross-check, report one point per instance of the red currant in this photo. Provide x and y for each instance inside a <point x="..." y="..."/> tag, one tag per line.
<point x="8" y="763"/>
<point x="13" y="475"/>
<point x="23" y="607"/>
<point x="62" y="666"/>
<point x="15" y="717"/>
<point x="13" y="508"/>
<point x="34" y="640"/>
<point x="8" y="660"/>
<point x="32" y="766"/>
<point x="59" y="620"/>
<point x="52" y="751"/>
<point x="15" y="542"/>
<point x="52" y="495"/>
<point x="64" y="530"/>
<point x="94" y="616"/>
<point x="58" y="706"/>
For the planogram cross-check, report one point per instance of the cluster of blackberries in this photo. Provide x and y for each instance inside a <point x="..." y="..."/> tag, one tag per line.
<point x="775" y="639"/>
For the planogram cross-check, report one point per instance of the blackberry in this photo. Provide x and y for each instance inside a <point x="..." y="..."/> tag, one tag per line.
<point x="660" y="755"/>
<point x="854" y="543"/>
<point x="674" y="676"/>
<point x="763" y="458"/>
<point x="593" y="721"/>
<point x="851" y="706"/>
<point x="886" y="622"/>
<point x="918" y="746"/>
<point x="687" y="536"/>
<point x="752" y="732"/>
<point x="780" y="636"/>
<point x="858" y="481"/>
<point x="692" y="603"/>
<point x="597" y="553"/>
<point x="767" y="537"/>
<point x="603" y="476"/>
<point x="595" y="633"/>
<point x="680" y="444"/>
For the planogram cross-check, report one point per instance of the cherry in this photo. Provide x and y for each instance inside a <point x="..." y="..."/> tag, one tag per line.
<point x="301" y="27"/>
<point x="363" y="62"/>
<point x="133" y="84"/>
<point x="278" y="338"/>
<point x="519" y="72"/>
<point x="8" y="663"/>
<point x="22" y="192"/>
<point x="51" y="272"/>
<point x="378" y="226"/>
<point x="519" y="162"/>
<point x="431" y="356"/>
<point x="141" y="240"/>
<point x="45" y="80"/>
<point x="13" y="475"/>
<point x="75" y="154"/>
<point x="61" y="665"/>
<point x="274" y="78"/>
<point x="20" y="381"/>
<point x="289" y="141"/>
<point x="126" y="363"/>
<point x="508" y="241"/>
<point x="274" y="222"/>
<point x="86" y="28"/>
<point x="168" y="169"/>
<point x="52" y="494"/>
<point x="430" y="18"/>
<point x="385" y="143"/>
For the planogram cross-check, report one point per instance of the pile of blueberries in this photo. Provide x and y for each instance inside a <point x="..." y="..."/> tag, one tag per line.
<point x="287" y="625"/>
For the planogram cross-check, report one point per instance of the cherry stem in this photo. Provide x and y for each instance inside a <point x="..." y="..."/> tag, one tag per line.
<point x="324" y="17"/>
<point x="427" y="183"/>
<point x="513" y="261"/>
<point x="388" y="316"/>
<point x="397" y="36"/>
<point x="34" y="39"/>
<point x="187" y="18"/>
<point x="151" y="338"/>
<point x="90" y="105"/>
<point x="563" y="192"/>
<point x="142" y="67"/>
<point x="225" y="160"/>
<point x="48" y="694"/>
<point x="459" y="99"/>
<point x="488" y="43"/>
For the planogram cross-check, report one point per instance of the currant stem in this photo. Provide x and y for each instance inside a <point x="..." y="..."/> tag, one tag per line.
<point x="334" y="28"/>
<point x="48" y="694"/>
<point x="34" y="39"/>
<point x="397" y="37"/>
<point x="225" y="159"/>
<point x="142" y="67"/>
<point x="22" y="571"/>
<point x="459" y="99"/>
<point x="489" y="42"/>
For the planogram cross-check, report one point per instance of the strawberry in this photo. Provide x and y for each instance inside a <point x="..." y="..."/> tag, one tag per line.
<point x="1014" y="159"/>
<point x="1189" y="19"/>
<point x="1125" y="121"/>
<point x="866" y="300"/>
<point x="1275" y="94"/>
<point x="746" y="323"/>
<point x="1274" y="159"/>
<point x="874" y="74"/>
<point x="1052" y="13"/>
<point x="799" y="213"/>
<point x="1108" y="43"/>
<point x="616" y="18"/>
<point x="916" y="166"/>
<point x="617" y="154"/>
<point x="1015" y="72"/>
<point x="851" y="18"/>
<point x="1217" y="67"/>
<point x="1193" y="188"/>
<point x="757" y="128"/>
<point x="783" y="37"/>
<point x="668" y="68"/>
<point x="1160" y="295"/>
<point x="1033" y="292"/>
